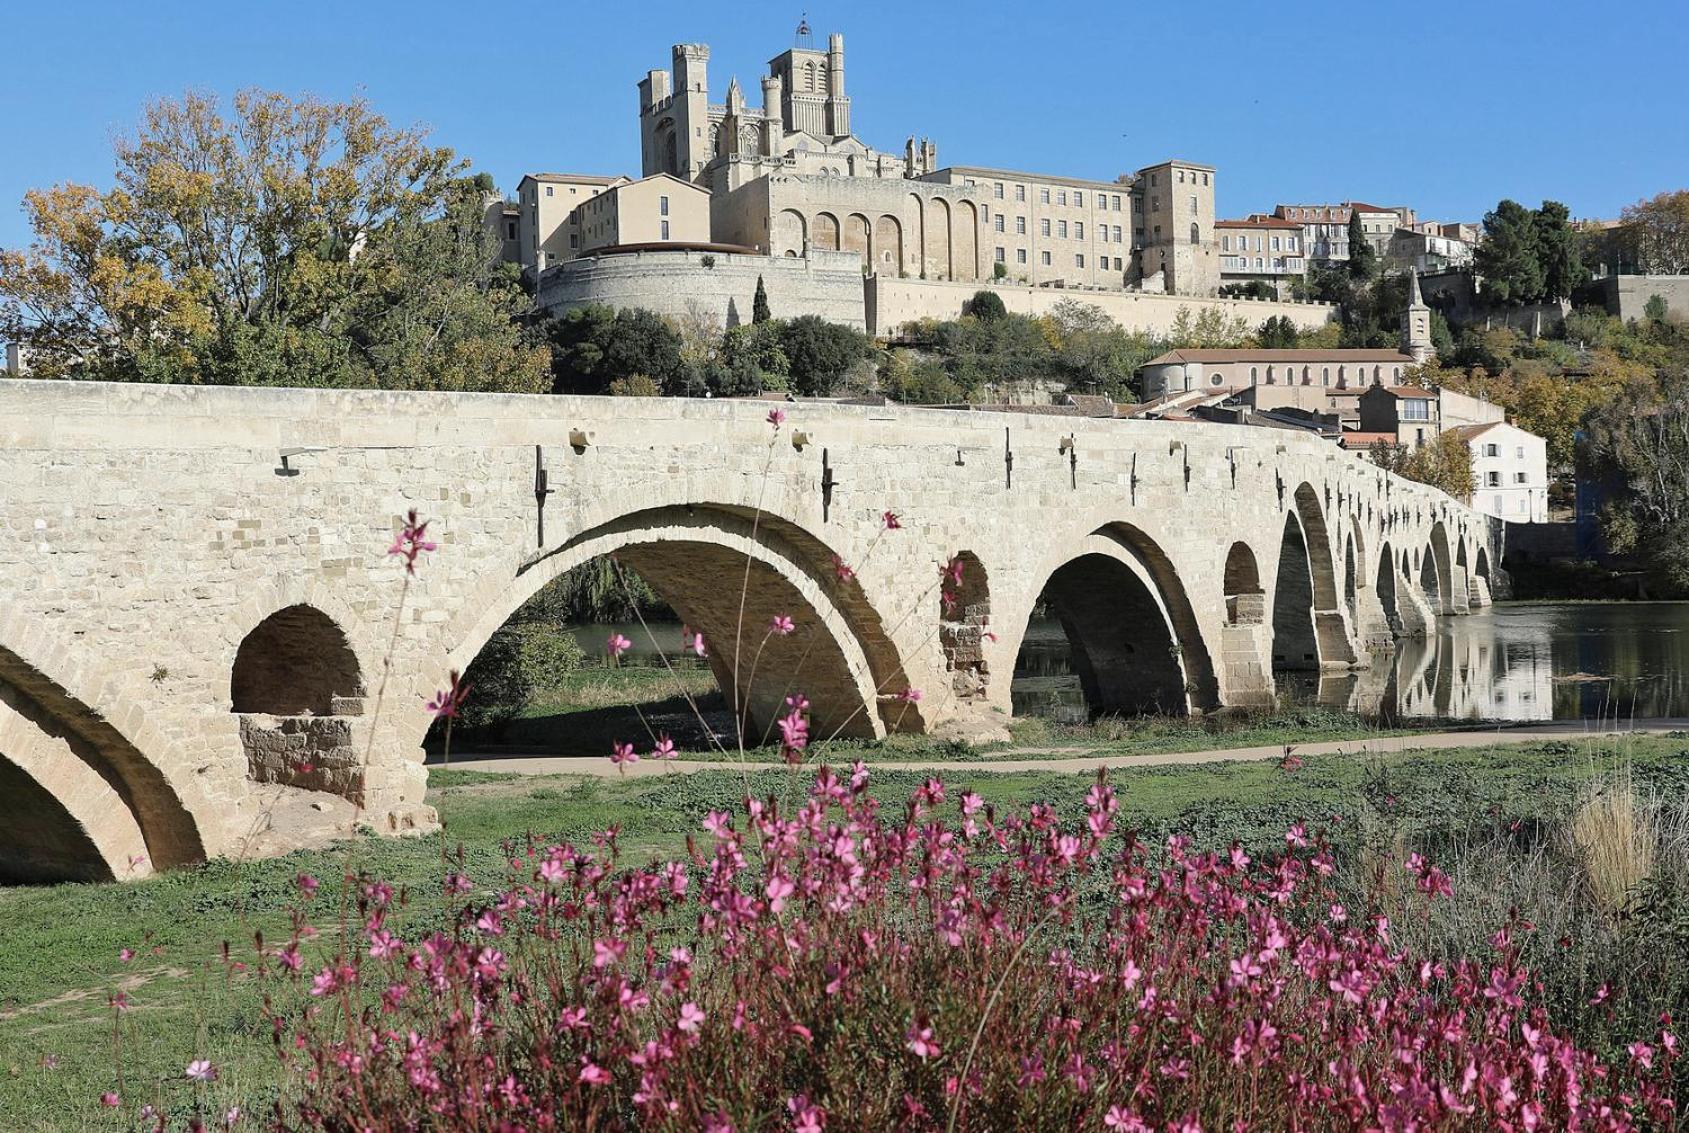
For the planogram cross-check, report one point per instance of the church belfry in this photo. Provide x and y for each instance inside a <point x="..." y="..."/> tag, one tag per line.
<point x="1416" y="325"/>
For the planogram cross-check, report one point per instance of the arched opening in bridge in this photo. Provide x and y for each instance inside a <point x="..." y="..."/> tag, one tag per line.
<point x="40" y="841"/>
<point x="964" y="617"/>
<point x="297" y="687"/>
<point x="692" y="622"/>
<point x="1245" y="601"/>
<point x="1430" y="584"/>
<point x="1113" y="633"/>
<point x="1349" y="573"/>
<point x="1386" y="585"/>
<point x="1483" y="565"/>
<point x="295" y="663"/>
<point x="1294" y="643"/>
<point x="1442" y="571"/>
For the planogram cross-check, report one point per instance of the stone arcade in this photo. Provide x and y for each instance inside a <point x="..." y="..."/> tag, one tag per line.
<point x="196" y="602"/>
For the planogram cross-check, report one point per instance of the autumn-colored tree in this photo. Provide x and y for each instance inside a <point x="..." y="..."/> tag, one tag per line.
<point x="1638" y="447"/>
<point x="1444" y="463"/>
<point x="290" y="241"/>
<point x="1657" y="231"/>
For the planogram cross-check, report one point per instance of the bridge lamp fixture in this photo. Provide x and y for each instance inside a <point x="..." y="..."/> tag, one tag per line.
<point x="799" y="439"/>
<point x="1066" y="444"/>
<point x="579" y="439"/>
<point x="288" y="454"/>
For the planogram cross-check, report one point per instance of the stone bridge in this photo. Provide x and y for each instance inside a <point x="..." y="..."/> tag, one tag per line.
<point x="206" y="650"/>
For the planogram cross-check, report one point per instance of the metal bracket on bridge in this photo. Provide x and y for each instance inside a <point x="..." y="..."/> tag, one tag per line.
<point x="288" y="454"/>
<point x="828" y="483"/>
<point x="1072" y="449"/>
<point x="542" y="489"/>
<point x="1008" y="461"/>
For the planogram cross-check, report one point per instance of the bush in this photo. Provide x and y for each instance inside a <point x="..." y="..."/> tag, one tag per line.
<point x="819" y="353"/>
<point x="985" y="305"/>
<point x="521" y="663"/>
<point x="825" y="962"/>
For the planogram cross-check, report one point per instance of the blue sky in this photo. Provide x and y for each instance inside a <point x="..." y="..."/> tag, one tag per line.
<point x="1444" y="106"/>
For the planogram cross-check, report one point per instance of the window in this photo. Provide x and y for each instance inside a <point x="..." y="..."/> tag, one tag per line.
<point x="1275" y="244"/>
<point x="1152" y="179"/>
<point x="1020" y="192"/>
<point x="997" y="190"/>
<point x="1044" y="227"/>
<point x="1061" y="197"/>
<point x="1043" y="196"/>
<point x="1157" y="233"/>
<point x="1196" y="234"/>
<point x="1519" y="452"/>
<point x="1520" y="478"/>
<point x="1257" y="263"/>
<point x="1492" y="450"/>
<point x="1078" y="198"/>
<point x="1155" y="204"/>
<point x="1253" y="375"/>
<point x="1079" y="230"/>
<point x="1193" y="204"/>
<point x="1181" y="176"/>
<point x="1492" y="479"/>
<point x="1045" y="259"/>
<point x="510" y="230"/>
<point x="1020" y="225"/>
<point x="662" y="206"/>
<point x="548" y="190"/>
<point x="1270" y="380"/>
<point x="998" y="221"/>
<point x="1020" y="255"/>
<point x="1117" y="263"/>
<point x="1325" y="375"/>
<point x="1116" y="205"/>
<point x="1117" y="233"/>
<point x="1416" y="409"/>
<point x="1225" y="243"/>
<point x="999" y="256"/>
<point x="1205" y="178"/>
<point x="665" y="230"/>
<point x="1061" y="229"/>
<point x="1079" y="259"/>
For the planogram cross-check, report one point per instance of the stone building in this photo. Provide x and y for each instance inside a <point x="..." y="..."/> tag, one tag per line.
<point x="1509" y="471"/>
<point x="548" y="232"/>
<point x="1230" y="371"/>
<point x="1264" y="248"/>
<point x="1325" y="228"/>
<point x="1415" y="415"/>
<point x="659" y="209"/>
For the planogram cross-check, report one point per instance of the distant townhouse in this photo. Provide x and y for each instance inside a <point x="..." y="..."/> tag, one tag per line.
<point x="660" y="209"/>
<point x="1325" y="227"/>
<point x="1416" y="415"/>
<point x="1509" y="471"/>
<point x="1264" y="248"/>
<point x="545" y="202"/>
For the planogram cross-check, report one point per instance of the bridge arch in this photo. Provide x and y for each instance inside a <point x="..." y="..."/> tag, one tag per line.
<point x="964" y="617"/>
<point x="1441" y="599"/>
<point x="1308" y="583"/>
<point x="728" y="572"/>
<point x="1136" y="643"/>
<point x="1385" y="586"/>
<point x="1242" y="583"/>
<point x="78" y="798"/>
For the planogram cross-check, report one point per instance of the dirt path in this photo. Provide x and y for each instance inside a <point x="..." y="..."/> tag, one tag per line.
<point x="1081" y="759"/>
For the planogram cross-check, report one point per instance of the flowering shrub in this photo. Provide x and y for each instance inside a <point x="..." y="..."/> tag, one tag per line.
<point x="826" y="965"/>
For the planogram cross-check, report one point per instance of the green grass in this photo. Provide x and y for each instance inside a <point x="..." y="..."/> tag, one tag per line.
<point x="59" y="945"/>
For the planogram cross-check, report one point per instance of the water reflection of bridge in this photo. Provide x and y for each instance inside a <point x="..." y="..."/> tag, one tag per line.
<point x="1466" y="670"/>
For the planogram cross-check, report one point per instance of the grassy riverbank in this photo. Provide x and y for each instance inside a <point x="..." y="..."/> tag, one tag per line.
<point x="1495" y="816"/>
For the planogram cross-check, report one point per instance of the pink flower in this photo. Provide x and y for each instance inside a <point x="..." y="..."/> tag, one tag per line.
<point x="622" y="753"/>
<point x="794" y="731"/>
<point x="307" y="884"/>
<point x="231" y="1116"/>
<point x="594" y="1075"/>
<point x="617" y="645"/>
<point x="806" y="1118"/>
<point x="125" y="954"/>
<point x="918" y="1041"/>
<point x="664" y="748"/>
<point x="718" y="1123"/>
<point x="1124" y="1121"/>
<point x="447" y="702"/>
<point x="551" y="871"/>
<point x="781" y="625"/>
<point x="952" y="571"/>
<point x="910" y="696"/>
<point x="691" y="1016"/>
<point x="719" y="823"/>
<point x="201" y="1070"/>
<point x="411" y="541"/>
<point x="1642" y="1054"/>
<point x="890" y="521"/>
<point x="110" y="1100"/>
<point x="843" y="572"/>
<point x="607" y="952"/>
<point x="776" y="417"/>
<point x="778" y="889"/>
<point x="693" y="640"/>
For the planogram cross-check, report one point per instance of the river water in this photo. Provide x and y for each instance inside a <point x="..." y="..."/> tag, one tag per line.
<point x="1517" y="662"/>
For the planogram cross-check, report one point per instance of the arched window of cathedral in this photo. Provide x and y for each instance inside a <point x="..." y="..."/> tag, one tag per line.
<point x="1196" y="234"/>
<point x="1254" y="375"/>
<point x="1325" y="375"/>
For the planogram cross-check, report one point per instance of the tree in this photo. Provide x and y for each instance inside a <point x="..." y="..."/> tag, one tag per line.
<point x="1638" y="446"/>
<point x="1211" y="329"/>
<point x="1508" y="258"/>
<point x="1558" y="251"/>
<point x="1095" y="353"/>
<point x="1252" y="289"/>
<point x="593" y="346"/>
<point x="1444" y="463"/>
<point x="819" y="353"/>
<point x="759" y="304"/>
<point x="1655" y="309"/>
<point x="1277" y="333"/>
<point x="1363" y="257"/>
<point x="985" y="305"/>
<point x="1657" y="232"/>
<point x="295" y="241"/>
